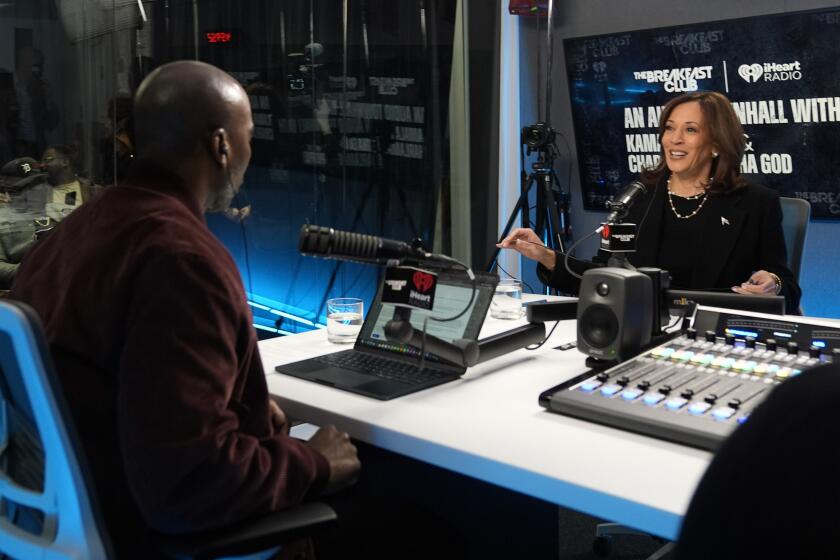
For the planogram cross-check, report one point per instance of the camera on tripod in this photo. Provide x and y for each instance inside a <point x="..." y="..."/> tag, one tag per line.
<point x="538" y="136"/>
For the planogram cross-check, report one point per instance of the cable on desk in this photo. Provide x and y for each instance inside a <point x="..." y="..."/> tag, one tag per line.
<point x="551" y="332"/>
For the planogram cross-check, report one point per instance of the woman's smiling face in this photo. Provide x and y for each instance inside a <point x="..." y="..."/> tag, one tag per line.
<point x="686" y="142"/>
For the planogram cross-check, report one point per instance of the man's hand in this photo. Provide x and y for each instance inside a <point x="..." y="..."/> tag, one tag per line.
<point x="761" y="283"/>
<point x="278" y="418"/>
<point x="528" y="244"/>
<point x="340" y="453"/>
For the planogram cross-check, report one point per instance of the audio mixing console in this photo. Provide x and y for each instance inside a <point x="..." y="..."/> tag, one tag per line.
<point x="699" y="386"/>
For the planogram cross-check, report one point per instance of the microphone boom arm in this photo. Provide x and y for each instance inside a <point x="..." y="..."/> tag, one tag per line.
<point x="463" y="352"/>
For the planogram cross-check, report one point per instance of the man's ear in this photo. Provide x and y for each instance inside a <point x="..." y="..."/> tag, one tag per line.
<point x="220" y="146"/>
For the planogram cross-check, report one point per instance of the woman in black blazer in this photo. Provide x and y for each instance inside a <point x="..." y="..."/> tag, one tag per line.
<point x="699" y="220"/>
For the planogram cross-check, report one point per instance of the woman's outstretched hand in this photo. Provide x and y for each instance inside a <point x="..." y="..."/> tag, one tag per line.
<point x="528" y="244"/>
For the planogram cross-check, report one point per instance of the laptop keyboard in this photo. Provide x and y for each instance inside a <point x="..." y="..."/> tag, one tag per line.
<point x="383" y="367"/>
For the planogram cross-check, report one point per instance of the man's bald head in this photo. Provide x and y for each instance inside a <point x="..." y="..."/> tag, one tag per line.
<point x="179" y="106"/>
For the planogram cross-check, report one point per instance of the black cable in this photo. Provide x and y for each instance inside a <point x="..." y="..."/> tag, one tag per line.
<point x="644" y="216"/>
<point x="426" y="319"/>
<point x="678" y="319"/>
<point x="572" y="248"/>
<point x="524" y="283"/>
<point x="551" y="332"/>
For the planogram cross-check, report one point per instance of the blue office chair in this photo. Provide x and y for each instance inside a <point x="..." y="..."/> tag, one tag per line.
<point x="796" y="214"/>
<point x="48" y="506"/>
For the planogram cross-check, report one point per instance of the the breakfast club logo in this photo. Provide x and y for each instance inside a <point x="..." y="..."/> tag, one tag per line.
<point x="770" y="72"/>
<point x="676" y="79"/>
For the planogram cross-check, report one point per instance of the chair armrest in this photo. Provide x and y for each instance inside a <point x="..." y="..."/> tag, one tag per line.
<point x="253" y="535"/>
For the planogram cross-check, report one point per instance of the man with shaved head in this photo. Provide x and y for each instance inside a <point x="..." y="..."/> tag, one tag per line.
<point x="151" y="334"/>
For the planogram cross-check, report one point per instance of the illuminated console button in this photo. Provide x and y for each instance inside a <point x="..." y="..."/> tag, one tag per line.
<point x="742" y="419"/>
<point x="698" y="408"/>
<point x="745" y="365"/>
<point x="631" y="394"/>
<point x="702" y="359"/>
<point x="611" y="389"/>
<point x="589" y="386"/>
<point x="652" y="399"/>
<point x="723" y="362"/>
<point x="795" y="372"/>
<point x="661" y="352"/>
<point x="783" y="373"/>
<point x="723" y="413"/>
<point x="684" y="355"/>
<point x="676" y="403"/>
<point x="760" y="369"/>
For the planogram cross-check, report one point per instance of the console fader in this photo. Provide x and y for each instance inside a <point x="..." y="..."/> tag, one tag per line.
<point x="696" y="388"/>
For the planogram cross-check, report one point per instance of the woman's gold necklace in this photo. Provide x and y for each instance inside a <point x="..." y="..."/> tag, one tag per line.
<point x="702" y="196"/>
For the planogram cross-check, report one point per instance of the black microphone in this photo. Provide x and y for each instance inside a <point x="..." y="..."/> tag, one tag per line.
<point x="621" y="205"/>
<point x="329" y="243"/>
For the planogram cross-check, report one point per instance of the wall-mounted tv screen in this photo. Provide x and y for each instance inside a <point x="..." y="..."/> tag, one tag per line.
<point x="781" y="72"/>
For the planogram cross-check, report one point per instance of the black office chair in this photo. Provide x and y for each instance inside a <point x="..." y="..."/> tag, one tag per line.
<point x="771" y="490"/>
<point x="48" y="506"/>
<point x="796" y="214"/>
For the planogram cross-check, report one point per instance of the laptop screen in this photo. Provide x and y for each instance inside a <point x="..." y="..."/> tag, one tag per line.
<point x="451" y="296"/>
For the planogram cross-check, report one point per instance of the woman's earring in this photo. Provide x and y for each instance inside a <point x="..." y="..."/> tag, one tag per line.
<point x="715" y="154"/>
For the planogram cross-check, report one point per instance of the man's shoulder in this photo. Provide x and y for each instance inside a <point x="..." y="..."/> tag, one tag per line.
<point x="142" y="221"/>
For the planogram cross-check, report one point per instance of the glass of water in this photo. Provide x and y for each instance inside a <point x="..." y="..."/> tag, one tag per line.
<point x="507" y="301"/>
<point x="344" y="319"/>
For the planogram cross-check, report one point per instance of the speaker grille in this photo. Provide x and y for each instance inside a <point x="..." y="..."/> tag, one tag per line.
<point x="598" y="326"/>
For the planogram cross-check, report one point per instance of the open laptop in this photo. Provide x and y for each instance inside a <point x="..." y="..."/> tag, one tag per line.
<point x="378" y="368"/>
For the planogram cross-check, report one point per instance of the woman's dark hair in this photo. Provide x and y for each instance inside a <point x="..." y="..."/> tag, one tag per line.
<point x="725" y="133"/>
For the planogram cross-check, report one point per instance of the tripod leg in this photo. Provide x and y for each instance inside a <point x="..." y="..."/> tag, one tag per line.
<point x="542" y="208"/>
<point x="521" y="205"/>
<point x="524" y="189"/>
<point x="563" y="209"/>
<point x="551" y="213"/>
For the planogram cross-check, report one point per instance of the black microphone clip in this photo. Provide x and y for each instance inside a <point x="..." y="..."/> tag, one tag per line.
<point x="623" y="202"/>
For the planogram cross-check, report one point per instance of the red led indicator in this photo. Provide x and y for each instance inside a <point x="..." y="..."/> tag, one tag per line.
<point x="219" y="37"/>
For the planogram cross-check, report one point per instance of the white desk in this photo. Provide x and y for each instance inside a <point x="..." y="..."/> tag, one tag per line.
<point x="489" y="425"/>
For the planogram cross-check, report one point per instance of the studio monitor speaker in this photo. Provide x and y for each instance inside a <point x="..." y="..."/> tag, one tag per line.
<point x="614" y="313"/>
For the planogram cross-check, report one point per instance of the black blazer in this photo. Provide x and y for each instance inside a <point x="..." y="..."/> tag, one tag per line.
<point x="742" y="233"/>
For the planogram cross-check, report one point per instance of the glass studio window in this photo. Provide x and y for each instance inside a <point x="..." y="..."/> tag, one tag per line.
<point x="350" y="99"/>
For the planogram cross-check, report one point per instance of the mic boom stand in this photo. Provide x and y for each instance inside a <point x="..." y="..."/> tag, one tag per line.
<point x="463" y="352"/>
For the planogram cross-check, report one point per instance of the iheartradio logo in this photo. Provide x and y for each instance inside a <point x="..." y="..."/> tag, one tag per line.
<point x="770" y="72"/>
<point x="750" y="72"/>
<point x="423" y="281"/>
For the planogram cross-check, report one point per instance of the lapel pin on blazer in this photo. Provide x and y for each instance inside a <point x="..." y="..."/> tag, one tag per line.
<point x="724" y="221"/>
